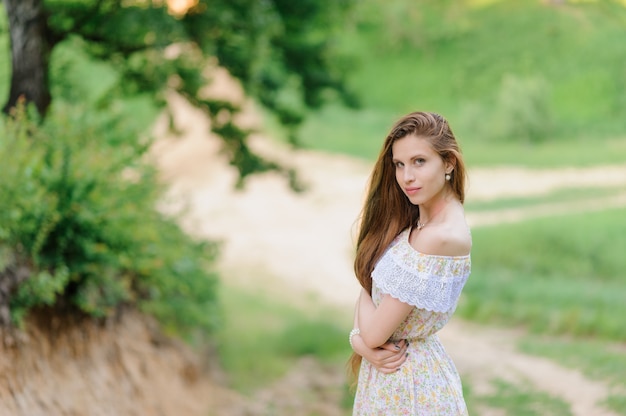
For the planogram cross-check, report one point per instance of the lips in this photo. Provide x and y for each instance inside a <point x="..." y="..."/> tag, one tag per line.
<point x="411" y="191"/>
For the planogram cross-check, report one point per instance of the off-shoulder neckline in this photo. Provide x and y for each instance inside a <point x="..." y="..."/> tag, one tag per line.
<point x="405" y="239"/>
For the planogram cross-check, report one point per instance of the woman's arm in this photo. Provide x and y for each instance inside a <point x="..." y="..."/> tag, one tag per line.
<point x="387" y="358"/>
<point x="377" y="324"/>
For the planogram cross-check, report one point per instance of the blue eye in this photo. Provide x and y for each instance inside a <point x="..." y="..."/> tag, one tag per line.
<point x="419" y="161"/>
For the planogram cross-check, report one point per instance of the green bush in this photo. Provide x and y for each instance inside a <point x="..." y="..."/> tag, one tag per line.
<point x="522" y="111"/>
<point x="78" y="206"/>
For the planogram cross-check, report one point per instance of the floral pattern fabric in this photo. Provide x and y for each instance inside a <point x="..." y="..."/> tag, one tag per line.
<point x="428" y="383"/>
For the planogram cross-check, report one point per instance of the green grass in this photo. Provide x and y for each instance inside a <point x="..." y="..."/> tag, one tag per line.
<point x="560" y="275"/>
<point x="547" y="90"/>
<point x="579" y="246"/>
<point x="518" y="400"/>
<point x="617" y="403"/>
<point x="583" y="152"/>
<point x="471" y="399"/>
<point x="262" y="337"/>
<point x="564" y="195"/>
<point x="598" y="360"/>
<point x="360" y="133"/>
<point x="340" y="130"/>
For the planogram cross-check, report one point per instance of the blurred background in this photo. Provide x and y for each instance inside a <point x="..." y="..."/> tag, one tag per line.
<point x="181" y="182"/>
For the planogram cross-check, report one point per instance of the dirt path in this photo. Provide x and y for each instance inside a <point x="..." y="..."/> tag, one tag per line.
<point x="483" y="354"/>
<point x="303" y="243"/>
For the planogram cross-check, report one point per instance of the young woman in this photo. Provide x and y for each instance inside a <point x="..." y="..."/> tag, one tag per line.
<point x="412" y="262"/>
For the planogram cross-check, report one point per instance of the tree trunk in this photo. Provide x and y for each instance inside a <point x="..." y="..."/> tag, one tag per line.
<point x="10" y="279"/>
<point x="30" y="53"/>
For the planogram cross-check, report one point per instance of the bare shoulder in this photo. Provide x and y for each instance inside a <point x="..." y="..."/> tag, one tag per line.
<point x="448" y="239"/>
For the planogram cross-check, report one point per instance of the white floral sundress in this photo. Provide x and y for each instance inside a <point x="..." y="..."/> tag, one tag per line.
<point x="428" y="383"/>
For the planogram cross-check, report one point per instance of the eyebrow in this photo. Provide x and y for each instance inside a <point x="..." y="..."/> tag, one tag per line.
<point x="417" y="156"/>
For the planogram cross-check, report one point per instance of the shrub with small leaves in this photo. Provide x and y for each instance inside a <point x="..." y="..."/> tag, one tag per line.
<point x="78" y="203"/>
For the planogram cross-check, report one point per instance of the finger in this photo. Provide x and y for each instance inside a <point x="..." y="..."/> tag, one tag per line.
<point x="389" y="358"/>
<point x="391" y="346"/>
<point x="397" y="362"/>
<point x="385" y="356"/>
<point x="393" y="352"/>
<point x="390" y="365"/>
<point x="395" y="345"/>
<point x="389" y="370"/>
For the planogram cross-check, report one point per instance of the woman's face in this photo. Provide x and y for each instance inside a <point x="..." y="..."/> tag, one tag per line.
<point x="420" y="171"/>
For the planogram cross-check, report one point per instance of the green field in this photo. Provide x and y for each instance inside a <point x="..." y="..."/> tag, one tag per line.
<point x="521" y="82"/>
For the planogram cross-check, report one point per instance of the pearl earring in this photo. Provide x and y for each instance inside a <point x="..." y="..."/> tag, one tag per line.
<point x="447" y="176"/>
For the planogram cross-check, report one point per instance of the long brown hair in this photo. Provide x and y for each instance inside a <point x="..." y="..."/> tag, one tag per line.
<point x="387" y="211"/>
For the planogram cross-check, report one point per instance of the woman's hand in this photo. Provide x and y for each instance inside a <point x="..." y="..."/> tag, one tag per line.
<point x="387" y="358"/>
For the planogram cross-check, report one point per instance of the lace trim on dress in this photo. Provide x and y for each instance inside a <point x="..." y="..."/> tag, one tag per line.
<point x="425" y="281"/>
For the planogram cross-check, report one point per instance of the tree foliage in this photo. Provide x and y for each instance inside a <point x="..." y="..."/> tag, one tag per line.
<point x="282" y="52"/>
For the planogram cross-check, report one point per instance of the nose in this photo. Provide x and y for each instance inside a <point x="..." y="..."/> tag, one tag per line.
<point x="408" y="175"/>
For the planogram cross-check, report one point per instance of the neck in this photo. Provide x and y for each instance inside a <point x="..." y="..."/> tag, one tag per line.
<point x="434" y="208"/>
